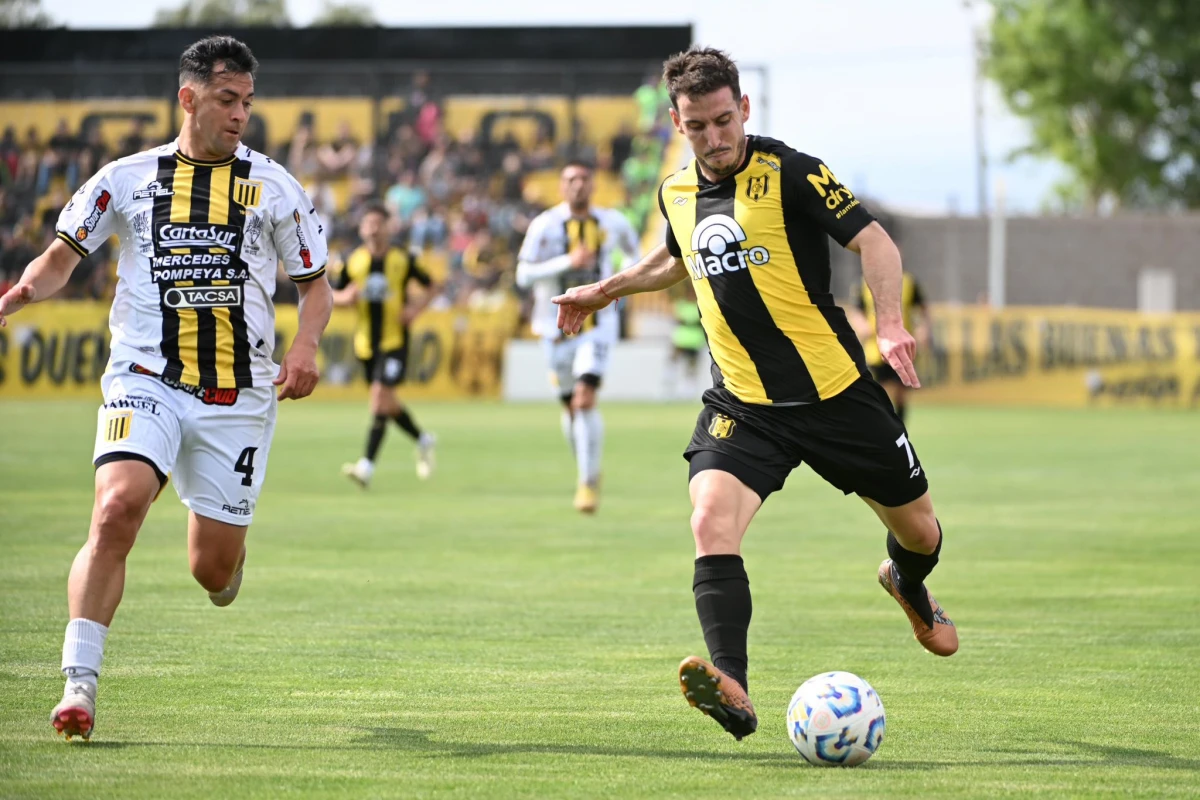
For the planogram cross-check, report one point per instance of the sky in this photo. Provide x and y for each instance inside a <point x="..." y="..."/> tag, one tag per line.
<point x="880" y="90"/>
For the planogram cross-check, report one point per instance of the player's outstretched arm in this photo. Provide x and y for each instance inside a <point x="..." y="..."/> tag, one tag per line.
<point x="298" y="374"/>
<point x="885" y="276"/>
<point x="44" y="276"/>
<point x="658" y="270"/>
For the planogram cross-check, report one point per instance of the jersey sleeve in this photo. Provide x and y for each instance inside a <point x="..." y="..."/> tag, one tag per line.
<point x="417" y="273"/>
<point x="90" y="216"/>
<point x="299" y="235"/>
<point x="812" y="190"/>
<point x="672" y="243"/>
<point x="630" y="245"/>
<point x="531" y="247"/>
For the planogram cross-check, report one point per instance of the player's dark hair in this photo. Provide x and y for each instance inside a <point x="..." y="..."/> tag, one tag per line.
<point x="200" y="61"/>
<point x="579" y="162"/>
<point x="699" y="71"/>
<point x="374" y="207"/>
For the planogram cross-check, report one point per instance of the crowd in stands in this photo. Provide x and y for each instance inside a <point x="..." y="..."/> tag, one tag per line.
<point x="463" y="201"/>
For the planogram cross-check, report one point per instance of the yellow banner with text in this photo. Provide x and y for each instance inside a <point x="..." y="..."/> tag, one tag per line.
<point x="60" y="350"/>
<point x="1061" y="356"/>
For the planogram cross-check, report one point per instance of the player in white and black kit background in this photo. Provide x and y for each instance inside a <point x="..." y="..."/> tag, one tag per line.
<point x="574" y="244"/>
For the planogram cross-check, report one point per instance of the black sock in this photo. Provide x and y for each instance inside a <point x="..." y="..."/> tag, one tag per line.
<point x="407" y="425"/>
<point x="375" y="436"/>
<point x="913" y="569"/>
<point x="722" y="593"/>
<point x="901" y="410"/>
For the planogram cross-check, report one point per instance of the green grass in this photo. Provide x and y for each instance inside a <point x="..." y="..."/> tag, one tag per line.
<point x="474" y="637"/>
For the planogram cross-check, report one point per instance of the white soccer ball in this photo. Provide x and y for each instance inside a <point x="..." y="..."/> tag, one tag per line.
<point x="835" y="719"/>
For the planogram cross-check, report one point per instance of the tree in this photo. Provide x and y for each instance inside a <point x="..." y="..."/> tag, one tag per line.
<point x="24" y="14"/>
<point x="242" y="13"/>
<point x="345" y="14"/>
<point x="1111" y="88"/>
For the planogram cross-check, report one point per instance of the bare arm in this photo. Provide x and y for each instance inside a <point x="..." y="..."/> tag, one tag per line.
<point x="345" y="297"/>
<point x="658" y="270"/>
<point x="411" y="312"/>
<point x="884" y="275"/>
<point x="44" y="276"/>
<point x="298" y="374"/>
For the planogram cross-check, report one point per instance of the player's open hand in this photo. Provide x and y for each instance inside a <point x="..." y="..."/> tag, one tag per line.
<point x="899" y="348"/>
<point x="14" y="300"/>
<point x="298" y="374"/>
<point x="576" y="304"/>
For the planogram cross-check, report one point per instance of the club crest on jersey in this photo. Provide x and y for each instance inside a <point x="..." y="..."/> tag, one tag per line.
<point x="721" y="427"/>
<point x="758" y="187"/>
<point x="717" y="247"/>
<point x="153" y="189"/>
<point x="247" y="193"/>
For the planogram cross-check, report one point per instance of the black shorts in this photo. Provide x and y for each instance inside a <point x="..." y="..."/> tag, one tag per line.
<point x="387" y="368"/>
<point x="883" y="373"/>
<point x="855" y="441"/>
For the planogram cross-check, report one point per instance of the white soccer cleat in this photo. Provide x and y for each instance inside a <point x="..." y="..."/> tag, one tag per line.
<point x="76" y="714"/>
<point x="360" y="472"/>
<point x="426" y="459"/>
<point x="230" y="592"/>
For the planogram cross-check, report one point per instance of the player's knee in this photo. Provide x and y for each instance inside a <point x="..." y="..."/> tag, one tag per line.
<point x="118" y="516"/>
<point x="917" y="528"/>
<point x="214" y="570"/>
<point x="714" y="526"/>
<point x="584" y="399"/>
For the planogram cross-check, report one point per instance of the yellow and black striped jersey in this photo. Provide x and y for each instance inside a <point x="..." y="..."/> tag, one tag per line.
<point x="910" y="299"/>
<point x="757" y="246"/>
<point x="382" y="295"/>
<point x="200" y="245"/>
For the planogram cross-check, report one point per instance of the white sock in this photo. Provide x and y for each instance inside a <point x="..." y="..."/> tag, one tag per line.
<point x="589" y="442"/>
<point x="83" y="650"/>
<point x="366" y="467"/>
<point x="568" y="430"/>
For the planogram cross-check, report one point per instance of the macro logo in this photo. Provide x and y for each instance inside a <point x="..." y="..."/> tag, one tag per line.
<point x="717" y="247"/>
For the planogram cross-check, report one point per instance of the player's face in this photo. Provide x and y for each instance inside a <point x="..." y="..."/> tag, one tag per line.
<point x="576" y="186"/>
<point x="220" y="108"/>
<point x="715" y="125"/>
<point x="373" y="230"/>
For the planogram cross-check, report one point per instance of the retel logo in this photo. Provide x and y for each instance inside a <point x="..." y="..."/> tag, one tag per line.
<point x="717" y="247"/>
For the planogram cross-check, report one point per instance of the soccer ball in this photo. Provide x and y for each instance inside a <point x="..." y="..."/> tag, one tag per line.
<point x="835" y="719"/>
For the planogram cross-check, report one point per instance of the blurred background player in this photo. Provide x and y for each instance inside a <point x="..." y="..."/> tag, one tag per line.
<point x="862" y="317"/>
<point x="575" y="244"/>
<point x="375" y="280"/>
<point x="687" y="342"/>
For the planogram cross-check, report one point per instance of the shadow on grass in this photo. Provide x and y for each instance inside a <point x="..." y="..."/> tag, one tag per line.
<point x="419" y="741"/>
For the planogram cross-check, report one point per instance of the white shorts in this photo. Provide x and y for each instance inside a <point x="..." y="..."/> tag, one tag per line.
<point x="214" y="443"/>
<point x="576" y="356"/>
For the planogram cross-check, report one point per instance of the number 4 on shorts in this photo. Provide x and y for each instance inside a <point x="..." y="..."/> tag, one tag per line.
<point x="245" y="465"/>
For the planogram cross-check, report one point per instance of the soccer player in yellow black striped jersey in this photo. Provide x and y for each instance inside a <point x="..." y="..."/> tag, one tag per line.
<point x="749" y="221"/>
<point x="189" y="390"/>
<point x="375" y="280"/>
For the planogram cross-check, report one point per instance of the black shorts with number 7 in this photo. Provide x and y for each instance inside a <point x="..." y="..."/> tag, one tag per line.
<point x="854" y="440"/>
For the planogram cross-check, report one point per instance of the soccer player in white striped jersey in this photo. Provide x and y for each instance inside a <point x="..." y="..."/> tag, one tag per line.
<point x="574" y="244"/>
<point x="203" y="224"/>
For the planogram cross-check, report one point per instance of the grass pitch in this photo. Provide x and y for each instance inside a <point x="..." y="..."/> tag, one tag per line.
<point x="474" y="637"/>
